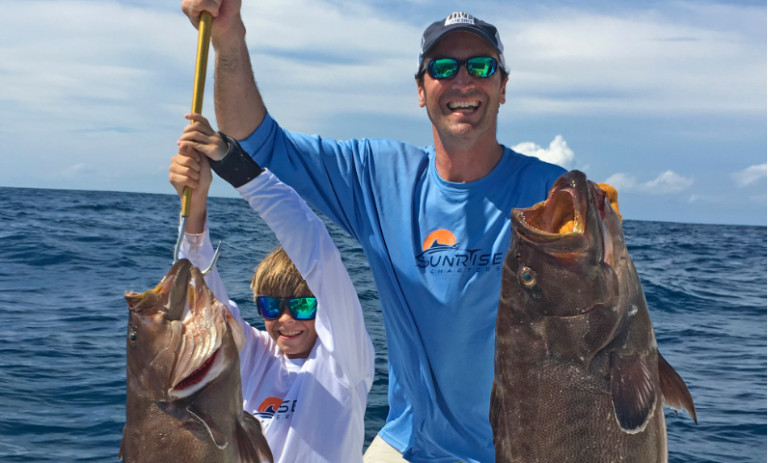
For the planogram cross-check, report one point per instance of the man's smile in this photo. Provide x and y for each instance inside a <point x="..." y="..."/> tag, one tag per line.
<point x="464" y="106"/>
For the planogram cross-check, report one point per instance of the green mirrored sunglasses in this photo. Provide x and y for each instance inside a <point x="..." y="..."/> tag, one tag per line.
<point x="447" y="68"/>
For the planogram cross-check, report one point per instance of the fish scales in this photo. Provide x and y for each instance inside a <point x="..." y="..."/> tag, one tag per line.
<point x="578" y="375"/>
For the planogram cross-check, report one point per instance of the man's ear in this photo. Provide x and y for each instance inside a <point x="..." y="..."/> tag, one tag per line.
<point x="503" y="92"/>
<point x="422" y="93"/>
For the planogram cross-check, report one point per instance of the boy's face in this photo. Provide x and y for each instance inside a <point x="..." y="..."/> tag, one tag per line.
<point x="295" y="338"/>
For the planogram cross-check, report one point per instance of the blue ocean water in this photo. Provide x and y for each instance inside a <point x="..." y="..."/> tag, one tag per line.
<point x="68" y="256"/>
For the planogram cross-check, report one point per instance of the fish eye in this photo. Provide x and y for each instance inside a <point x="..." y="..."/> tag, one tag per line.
<point x="132" y="336"/>
<point x="526" y="276"/>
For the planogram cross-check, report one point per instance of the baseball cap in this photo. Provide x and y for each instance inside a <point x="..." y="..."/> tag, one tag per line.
<point x="460" y="21"/>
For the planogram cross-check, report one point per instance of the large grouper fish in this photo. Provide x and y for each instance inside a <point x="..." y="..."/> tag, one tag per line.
<point x="184" y="400"/>
<point x="578" y="375"/>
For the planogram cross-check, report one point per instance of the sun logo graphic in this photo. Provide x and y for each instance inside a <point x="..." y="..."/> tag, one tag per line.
<point x="439" y="238"/>
<point x="441" y="255"/>
<point x="269" y="407"/>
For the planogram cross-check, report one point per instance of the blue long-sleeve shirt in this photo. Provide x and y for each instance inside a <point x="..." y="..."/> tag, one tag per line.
<point x="436" y="250"/>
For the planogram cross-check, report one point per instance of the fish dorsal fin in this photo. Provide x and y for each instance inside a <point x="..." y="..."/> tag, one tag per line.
<point x="673" y="389"/>
<point x="251" y="441"/>
<point x="633" y="390"/>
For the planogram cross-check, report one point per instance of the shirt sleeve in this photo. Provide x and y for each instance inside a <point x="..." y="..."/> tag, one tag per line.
<point x="199" y="250"/>
<point x="339" y="321"/>
<point x="327" y="172"/>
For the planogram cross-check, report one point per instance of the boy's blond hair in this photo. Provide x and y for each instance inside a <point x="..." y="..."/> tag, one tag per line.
<point x="276" y="276"/>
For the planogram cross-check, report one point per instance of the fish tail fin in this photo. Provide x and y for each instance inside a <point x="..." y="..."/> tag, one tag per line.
<point x="673" y="389"/>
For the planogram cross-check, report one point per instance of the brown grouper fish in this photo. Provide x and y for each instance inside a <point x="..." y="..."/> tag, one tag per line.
<point x="183" y="397"/>
<point x="579" y="377"/>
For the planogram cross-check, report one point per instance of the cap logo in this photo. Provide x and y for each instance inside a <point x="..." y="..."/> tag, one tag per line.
<point x="459" y="17"/>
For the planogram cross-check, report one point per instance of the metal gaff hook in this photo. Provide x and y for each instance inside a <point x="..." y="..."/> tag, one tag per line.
<point x="203" y="44"/>
<point x="177" y="248"/>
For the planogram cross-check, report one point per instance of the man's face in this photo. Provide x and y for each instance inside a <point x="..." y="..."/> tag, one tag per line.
<point x="463" y="107"/>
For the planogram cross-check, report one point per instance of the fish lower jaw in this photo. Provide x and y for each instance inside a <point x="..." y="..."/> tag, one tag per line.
<point x="198" y="379"/>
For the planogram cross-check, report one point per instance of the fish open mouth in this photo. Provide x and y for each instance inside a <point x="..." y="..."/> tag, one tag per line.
<point x="199" y="356"/>
<point x="577" y="217"/>
<point x="557" y="215"/>
<point x="198" y="375"/>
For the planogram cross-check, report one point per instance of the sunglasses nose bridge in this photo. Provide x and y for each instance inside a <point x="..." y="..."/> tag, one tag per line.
<point x="284" y="308"/>
<point x="462" y="73"/>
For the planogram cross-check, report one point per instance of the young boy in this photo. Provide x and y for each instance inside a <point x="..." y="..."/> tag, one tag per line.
<point x="307" y="377"/>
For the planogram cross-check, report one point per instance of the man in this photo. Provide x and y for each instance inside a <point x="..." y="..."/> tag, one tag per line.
<point x="433" y="221"/>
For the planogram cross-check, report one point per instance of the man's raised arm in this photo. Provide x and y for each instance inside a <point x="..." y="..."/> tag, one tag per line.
<point x="239" y="107"/>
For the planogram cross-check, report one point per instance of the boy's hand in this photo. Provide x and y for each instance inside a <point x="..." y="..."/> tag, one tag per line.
<point x="190" y="167"/>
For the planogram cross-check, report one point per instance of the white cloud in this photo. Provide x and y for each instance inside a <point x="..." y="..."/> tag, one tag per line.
<point x="128" y="62"/>
<point x="109" y="83"/>
<point x="666" y="183"/>
<point x="683" y="58"/>
<point x="750" y="175"/>
<point x="558" y="151"/>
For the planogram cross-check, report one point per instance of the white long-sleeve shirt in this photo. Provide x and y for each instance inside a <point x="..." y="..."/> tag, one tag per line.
<point x="311" y="410"/>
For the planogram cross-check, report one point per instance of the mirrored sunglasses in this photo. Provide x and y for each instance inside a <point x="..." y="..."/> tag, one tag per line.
<point x="447" y="68"/>
<point x="300" y="308"/>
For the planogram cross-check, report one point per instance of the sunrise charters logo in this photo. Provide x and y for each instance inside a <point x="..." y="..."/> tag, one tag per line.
<point x="441" y="254"/>
<point x="275" y="407"/>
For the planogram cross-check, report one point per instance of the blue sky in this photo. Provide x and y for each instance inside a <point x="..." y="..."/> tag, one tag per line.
<point x="666" y="100"/>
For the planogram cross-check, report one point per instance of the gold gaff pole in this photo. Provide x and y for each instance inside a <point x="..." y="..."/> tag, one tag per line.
<point x="201" y="65"/>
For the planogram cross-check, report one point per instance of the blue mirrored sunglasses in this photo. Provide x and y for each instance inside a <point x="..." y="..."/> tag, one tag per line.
<point x="447" y="68"/>
<point x="300" y="308"/>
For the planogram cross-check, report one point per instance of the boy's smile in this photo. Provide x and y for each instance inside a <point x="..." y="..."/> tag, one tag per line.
<point x="295" y="338"/>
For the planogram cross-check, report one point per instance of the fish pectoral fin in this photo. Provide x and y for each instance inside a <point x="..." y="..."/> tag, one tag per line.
<point x="251" y="441"/>
<point x="673" y="389"/>
<point x="201" y="423"/>
<point x="633" y="390"/>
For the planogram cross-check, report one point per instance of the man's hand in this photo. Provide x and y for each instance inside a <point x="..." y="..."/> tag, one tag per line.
<point x="225" y="13"/>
